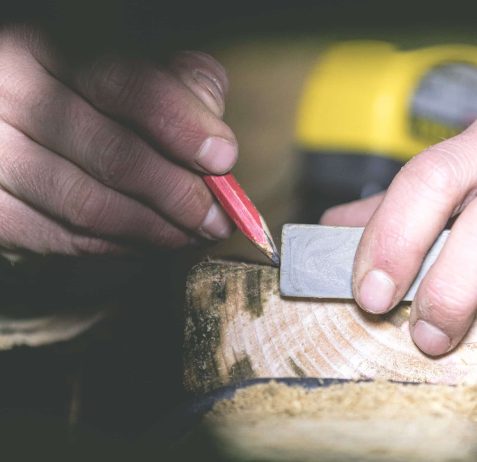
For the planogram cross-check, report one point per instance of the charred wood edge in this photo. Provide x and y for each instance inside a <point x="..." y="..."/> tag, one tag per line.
<point x="207" y="291"/>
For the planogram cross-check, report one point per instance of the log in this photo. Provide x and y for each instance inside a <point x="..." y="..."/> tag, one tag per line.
<point x="237" y="327"/>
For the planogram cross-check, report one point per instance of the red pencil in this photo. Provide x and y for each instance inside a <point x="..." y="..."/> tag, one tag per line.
<point x="241" y="210"/>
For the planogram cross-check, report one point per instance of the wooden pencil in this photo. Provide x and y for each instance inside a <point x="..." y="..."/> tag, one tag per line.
<point x="243" y="213"/>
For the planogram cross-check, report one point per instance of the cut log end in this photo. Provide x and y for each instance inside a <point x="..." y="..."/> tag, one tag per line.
<point x="211" y="288"/>
<point x="239" y="327"/>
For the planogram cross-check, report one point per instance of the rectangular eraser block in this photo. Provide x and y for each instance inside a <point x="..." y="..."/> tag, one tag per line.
<point x="317" y="261"/>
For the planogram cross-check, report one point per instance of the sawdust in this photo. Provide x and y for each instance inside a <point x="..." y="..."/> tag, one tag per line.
<point x="375" y="421"/>
<point x="354" y="400"/>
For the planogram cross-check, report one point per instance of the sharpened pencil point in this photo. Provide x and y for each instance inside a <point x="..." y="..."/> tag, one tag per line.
<point x="241" y="210"/>
<point x="275" y="259"/>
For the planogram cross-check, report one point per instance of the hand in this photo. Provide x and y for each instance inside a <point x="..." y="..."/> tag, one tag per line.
<point x="435" y="186"/>
<point x="107" y="157"/>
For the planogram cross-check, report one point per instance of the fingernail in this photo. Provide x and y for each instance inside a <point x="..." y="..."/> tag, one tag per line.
<point x="212" y="92"/>
<point x="216" y="224"/>
<point x="217" y="155"/>
<point x="376" y="292"/>
<point x="430" y="339"/>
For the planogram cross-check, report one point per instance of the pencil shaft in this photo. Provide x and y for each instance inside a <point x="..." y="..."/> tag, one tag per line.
<point x="241" y="210"/>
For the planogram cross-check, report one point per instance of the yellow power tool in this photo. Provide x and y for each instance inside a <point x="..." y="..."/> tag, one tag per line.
<point x="368" y="107"/>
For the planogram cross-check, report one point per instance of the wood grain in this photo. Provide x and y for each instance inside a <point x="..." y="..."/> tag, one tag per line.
<point x="238" y="326"/>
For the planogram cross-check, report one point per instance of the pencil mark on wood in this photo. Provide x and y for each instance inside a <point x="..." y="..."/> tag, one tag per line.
<point x="203" y="323"/>
<point x="241" y="370"/>
<point x="219" y="290"/>
<point x="296" y="368"/>
<point x="224" y="343"/>
<point x="253" y="280"/>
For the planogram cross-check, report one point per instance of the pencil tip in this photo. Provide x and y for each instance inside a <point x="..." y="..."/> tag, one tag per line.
<point x="273" y="255"/>
<point x="275" y="258"/>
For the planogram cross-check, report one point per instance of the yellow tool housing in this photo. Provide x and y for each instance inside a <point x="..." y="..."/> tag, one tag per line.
<point x="358" y="99"/>
<point x="368" y="107"/>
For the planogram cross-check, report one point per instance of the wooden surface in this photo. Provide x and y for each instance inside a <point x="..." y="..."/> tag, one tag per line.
<point x="237" y="327"/>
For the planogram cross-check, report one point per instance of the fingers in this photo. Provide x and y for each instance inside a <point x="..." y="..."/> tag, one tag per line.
<point x="113" y="182"/>
<point x="204" y="76"/>
<point x="356" y="213"/>
<point x="58" y="188"/>
<point x="422" y="197"/>
<point x="112" y="154"/>
<point x="18" y="220"/>
<point x="160" y="106"/>
<point x="446" y="301"/>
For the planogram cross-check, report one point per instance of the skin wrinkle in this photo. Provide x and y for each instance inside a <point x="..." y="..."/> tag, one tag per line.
<point x="165" y="113"/>
<point x="81" y="205"/>
<point x="180" y="195"/>
<point x="175" y="120"/>
<point x="188" y="66"/>
<point x="110" y="83"/>
<point x="207" y="62"/>
<point x="55" y="185"/>
<point x="117" y="156"/>
<point x="431" y="178"/>
<point x="455" y="328"/>
<point x="392" y="236"/>
<point x="117" y="136"/>
<point x="37" y="84"/>
<point x="435" y="185"/>
<point x="435" y="294"/>
<point x="445" y="298"/>
<point x="377" y="253"/>
<point x="103" y="130"/>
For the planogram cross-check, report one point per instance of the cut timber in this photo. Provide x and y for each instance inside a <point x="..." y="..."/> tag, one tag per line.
<point x="238" y="327"/>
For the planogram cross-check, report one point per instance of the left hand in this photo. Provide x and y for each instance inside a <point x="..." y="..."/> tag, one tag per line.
<point x="401" y="226"/>
<point x="106" y="156"/>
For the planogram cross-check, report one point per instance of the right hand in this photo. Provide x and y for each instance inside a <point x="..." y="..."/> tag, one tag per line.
<point x="435" y="188"/>
<point x="108" y="157"/>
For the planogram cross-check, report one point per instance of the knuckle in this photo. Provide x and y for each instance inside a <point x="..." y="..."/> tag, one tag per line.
<point x="447" y="303"/>
<point x="187" y="200"/>
<point x="112" y="83"/>
<point x="393" y="243"/>
<point x="114" y="156"/>
<point x="83" y="206"/>
<point x="172" y="109"/>
<point x="431" y="171"/>
<point x="206" y="62"/>
<point x="170" y="114"/>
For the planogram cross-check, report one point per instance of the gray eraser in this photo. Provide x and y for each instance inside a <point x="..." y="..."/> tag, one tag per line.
<point x="317" y="261"/>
